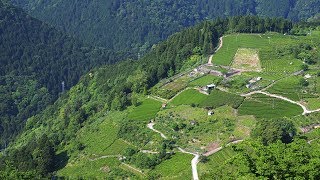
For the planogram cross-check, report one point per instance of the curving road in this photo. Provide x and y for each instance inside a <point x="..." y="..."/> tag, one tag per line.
<point x="194" y="161"/>
<point x="219" y="47"/>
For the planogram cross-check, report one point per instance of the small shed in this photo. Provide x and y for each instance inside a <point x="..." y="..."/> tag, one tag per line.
<point x="164" y="105"/>
<point x="210" y="113"/>
<point x="307" y="76"/>
<point x="193" y="122"/>
<point x="211" y="86"/>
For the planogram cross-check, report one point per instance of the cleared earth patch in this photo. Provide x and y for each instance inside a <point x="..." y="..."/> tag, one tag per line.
<point x="247" y="59"/>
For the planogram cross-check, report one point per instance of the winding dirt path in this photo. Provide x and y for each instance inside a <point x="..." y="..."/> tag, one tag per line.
<point x="133" y="168"/>
<point x="219" y="47"/>
<point x="220" y="148"/>
<point x="194" y="161"/>
<point x="104" y="157"/>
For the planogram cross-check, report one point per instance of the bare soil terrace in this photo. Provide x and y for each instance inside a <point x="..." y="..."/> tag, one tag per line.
<point x="247" y="59"/>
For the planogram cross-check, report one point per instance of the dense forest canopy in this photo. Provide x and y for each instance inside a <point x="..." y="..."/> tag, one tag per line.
<point x="136" y="25"/>
<point x="35" y="59"/>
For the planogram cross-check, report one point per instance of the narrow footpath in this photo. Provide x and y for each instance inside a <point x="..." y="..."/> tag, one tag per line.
<point x="194" y="161"/>
<point x="219" y="47"/>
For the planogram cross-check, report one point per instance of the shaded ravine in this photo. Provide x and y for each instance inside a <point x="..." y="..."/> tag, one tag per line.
<point x="194" y="161"/>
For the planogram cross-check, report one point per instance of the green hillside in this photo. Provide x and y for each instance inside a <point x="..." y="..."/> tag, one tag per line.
<point x="151" y="118"/>
<point x="35" y="60"/>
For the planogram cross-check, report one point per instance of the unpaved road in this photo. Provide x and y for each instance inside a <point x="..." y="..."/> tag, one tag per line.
<point x="219" y="47"/>
<point x="194" y="161"/>
<point x="150" y="126"/>
<point x="220" y="148"/>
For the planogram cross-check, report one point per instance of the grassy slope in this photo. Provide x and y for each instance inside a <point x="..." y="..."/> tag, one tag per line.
<point x="100" y="137"/>
<point x="178" y="167"/>
<point x="205" y="80"/>
<point x="146" y="111"/>
<point x="262" y="106"/>
<point x="290" y="88"/>
<point x="215" y="99"/>
<point x="215" y="161"/>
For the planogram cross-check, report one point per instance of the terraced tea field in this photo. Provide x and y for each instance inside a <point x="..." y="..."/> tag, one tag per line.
<point x="262" y="106"/>
<point x="146" y="111"/>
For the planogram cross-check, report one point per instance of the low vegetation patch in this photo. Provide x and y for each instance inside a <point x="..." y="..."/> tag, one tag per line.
<point x="215" y="99"/>
<point x="214" y="161"/>
<point x="205" y="80"/>
<point x="178" y="167"/>
<point x="145" y="111"/>
<point x="292" y="88"/>
<point x="262" y="106"/>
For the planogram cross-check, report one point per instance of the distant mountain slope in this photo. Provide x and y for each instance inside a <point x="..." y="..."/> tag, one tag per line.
<point x="136" y="25"/>
<point x="35" y="59"/>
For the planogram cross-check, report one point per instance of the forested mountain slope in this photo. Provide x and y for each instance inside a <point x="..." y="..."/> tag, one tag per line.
<point x="35" y="59"/>
<point x="137" y="25"/>
<point x="54" y="136"/>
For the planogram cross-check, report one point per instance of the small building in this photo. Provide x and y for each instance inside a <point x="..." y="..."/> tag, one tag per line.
<point x="307" y="76"/>
<point x="164" y="105"/>
<point x="210" y="113"/>
<point x="211" y="86"/>
<point x="253" y="81"/>
<point x="298" y="73"/>
<point x="208" y="87"/>
<point x="193" y="122"/>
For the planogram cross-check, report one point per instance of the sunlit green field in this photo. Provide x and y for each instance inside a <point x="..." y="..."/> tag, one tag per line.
<point x="215" y="99"/>
<point x="262" y="106"/>
<point x="214" y="162"/>
<point x="178" y="167"/>
<point x="205" y="80"/>
<point x="146" y="111"/>
<point x="290" y="88"/>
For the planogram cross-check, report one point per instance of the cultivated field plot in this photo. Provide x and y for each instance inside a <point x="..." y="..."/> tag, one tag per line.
<point x="188" y="97"/>
<point x="193" y="128"/>
<point x="177" y="84"/>
<point x="220" y="98"/>
<point x="268" y="45"/>
<point x="290" y="88"/>
<point x="214" y="162"/>
<point x="247" y="59"/>
<point x="215" y="99"/>
<point x="170" y="89"/>
<point x="87" y="169"/>
<point x="232" y="43"/>
<point x="205" y="80"/>
<point x="146" y="111"/>
<point x="262" y="106"/>
<point x="177" y="167"/>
